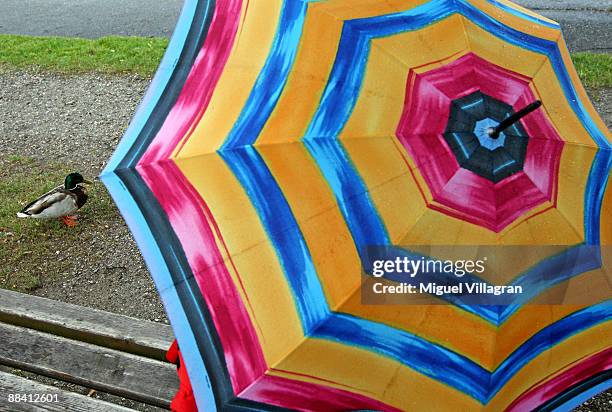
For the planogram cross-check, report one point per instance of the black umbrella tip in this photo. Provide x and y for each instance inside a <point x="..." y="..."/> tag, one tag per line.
<point x="495" y="132"/>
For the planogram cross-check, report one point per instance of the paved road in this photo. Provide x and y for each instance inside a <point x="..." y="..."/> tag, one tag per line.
<point x="566" y="4"/>
<point x="586" y="23"/>
<point x="89" y="18"/>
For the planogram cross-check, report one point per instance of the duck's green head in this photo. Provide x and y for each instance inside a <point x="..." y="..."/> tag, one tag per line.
<point x="73" y="180"/>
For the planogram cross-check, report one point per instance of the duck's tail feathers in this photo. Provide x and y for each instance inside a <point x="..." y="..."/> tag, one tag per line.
<point x="21" y="214"/>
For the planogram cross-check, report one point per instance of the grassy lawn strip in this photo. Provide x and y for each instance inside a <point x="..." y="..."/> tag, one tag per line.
<point x="33" y="251"/>
<point x="141" y="55"/>
<point x="595" y="70"/>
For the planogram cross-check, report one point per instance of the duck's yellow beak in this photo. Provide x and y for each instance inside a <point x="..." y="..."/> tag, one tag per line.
<point x="87" y="182"/>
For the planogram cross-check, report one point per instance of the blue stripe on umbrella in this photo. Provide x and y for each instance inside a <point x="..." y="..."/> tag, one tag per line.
<point x="470" y="105"/>
<point x="524" y="15"/>
<point x="272" y="79"/>
<point x="461" y="145"/>
<point x="352" y="195"/>
<point x="502" y="167"/>
<point x="551" y="272"/>
<point x="284" y="232"/>
<point x="599" y="178"/>
<point x="421" y="355"/>
<point x="547" y="338"/>
<point x="346" y="78"/>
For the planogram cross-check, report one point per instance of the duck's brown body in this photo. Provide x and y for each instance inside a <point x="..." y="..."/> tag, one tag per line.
<point x="61" y="202"/>
<point x="57" y="203"/>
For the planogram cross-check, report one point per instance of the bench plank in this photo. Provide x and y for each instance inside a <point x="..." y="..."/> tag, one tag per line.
<point x="85" y="324"/>
<point x="142" y="379"/>
<point x="67" y="401"/>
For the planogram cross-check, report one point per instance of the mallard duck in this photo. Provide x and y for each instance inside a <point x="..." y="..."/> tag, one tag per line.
<point x="61" y="202"/>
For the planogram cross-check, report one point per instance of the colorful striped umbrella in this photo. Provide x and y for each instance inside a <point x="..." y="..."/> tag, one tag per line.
<point x="280" y="139"/>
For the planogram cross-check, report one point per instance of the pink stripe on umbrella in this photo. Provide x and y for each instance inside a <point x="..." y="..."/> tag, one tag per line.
<point x="578" y="372"/>
<point x="200" y="84"/>
<point x="490" y="205"/>
<point x="304" y="396"/>
<point x="196" y="229"/>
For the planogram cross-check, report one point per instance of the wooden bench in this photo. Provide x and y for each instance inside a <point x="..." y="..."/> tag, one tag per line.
<point x="109" y="353"/>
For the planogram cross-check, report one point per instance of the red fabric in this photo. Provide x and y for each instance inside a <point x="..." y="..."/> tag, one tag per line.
<point x="183" y="400"/>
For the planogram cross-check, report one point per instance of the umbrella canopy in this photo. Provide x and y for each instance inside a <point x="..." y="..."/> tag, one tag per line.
<point x="280" y="139"/>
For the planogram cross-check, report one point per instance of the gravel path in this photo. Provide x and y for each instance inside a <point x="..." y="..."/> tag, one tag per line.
<point x="78" y="120"/>
<point x="600" y="403"/>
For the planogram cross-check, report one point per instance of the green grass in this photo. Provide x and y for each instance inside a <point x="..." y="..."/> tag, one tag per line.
<point x="35" y="250"/>
<point x="141" y="55"/>
<point x="70" y="55"/>
<point x="595" y="70"/>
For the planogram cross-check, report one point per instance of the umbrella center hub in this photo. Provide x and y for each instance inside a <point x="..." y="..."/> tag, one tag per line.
<point x="482" y="132"/>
